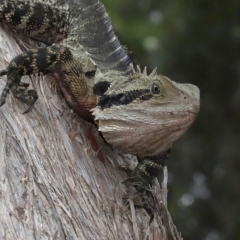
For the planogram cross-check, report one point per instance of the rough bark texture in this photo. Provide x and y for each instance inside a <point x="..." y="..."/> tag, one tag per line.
<point x="52" y="184"/>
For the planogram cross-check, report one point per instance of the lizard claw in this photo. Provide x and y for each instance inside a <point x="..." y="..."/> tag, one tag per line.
<point x="31" y="99"/>
<point x="3" y="72"/>
<point x="28" y="109"/>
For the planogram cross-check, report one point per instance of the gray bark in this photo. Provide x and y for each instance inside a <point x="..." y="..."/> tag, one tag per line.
<point x="52" y="184"/>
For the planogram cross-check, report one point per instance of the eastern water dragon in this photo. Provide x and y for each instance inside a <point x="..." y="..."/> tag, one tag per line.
<point x="136" y="113"/>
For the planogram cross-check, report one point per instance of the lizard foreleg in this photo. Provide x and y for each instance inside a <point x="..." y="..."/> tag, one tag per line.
<point x="30" y="62"/>
<point x="142" y="176"/>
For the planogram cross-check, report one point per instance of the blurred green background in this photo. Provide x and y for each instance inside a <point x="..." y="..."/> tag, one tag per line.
<point x="196" y="42"/>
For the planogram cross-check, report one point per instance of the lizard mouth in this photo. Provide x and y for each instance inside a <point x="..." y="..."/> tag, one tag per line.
<point x="194" y="111"/>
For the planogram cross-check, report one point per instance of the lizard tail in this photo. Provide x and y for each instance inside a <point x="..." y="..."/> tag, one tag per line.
<point x="95" y="33"/>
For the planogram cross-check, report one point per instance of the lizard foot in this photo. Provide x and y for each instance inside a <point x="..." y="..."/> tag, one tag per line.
<point x="19" y="89"/>
<point x="25" y="96"/>
<point x="142" y="176"/>
<point x="141" y="198"/>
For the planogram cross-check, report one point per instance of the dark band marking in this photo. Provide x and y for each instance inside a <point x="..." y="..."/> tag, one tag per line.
<point x="106" y="101"/>
<point x="100" y="88"/>
<point x="90" y="74"/>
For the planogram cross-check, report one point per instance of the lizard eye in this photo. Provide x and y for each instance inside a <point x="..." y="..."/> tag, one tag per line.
<point x="155" y="89"/>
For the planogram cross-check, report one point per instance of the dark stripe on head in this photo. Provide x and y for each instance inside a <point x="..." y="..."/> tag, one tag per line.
<point x="106" y="101"/>
<point x="100" y="88"/>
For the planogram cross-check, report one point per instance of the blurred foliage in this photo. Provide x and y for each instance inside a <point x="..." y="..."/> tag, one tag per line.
<point x="196" y="42"/>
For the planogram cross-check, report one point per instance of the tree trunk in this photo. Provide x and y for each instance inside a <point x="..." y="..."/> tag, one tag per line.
<point x="52" y="184"/>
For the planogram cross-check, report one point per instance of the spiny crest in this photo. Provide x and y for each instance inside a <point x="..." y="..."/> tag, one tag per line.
<point x="144" y="72"/>
<point x="114" y="82"/>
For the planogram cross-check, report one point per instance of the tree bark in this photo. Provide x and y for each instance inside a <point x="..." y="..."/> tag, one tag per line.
<point x="52" y="184"/>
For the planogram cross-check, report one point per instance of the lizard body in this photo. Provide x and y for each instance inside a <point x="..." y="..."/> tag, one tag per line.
<point x="136" y="113"/>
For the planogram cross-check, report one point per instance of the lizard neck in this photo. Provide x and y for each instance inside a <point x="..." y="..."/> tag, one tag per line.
<point x="81" y="105"/>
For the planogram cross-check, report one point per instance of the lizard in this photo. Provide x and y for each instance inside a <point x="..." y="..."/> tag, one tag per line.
<point x="136" y="113"/>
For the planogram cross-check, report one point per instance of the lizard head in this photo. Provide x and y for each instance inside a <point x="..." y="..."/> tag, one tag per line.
<point x="143" y="114"/>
